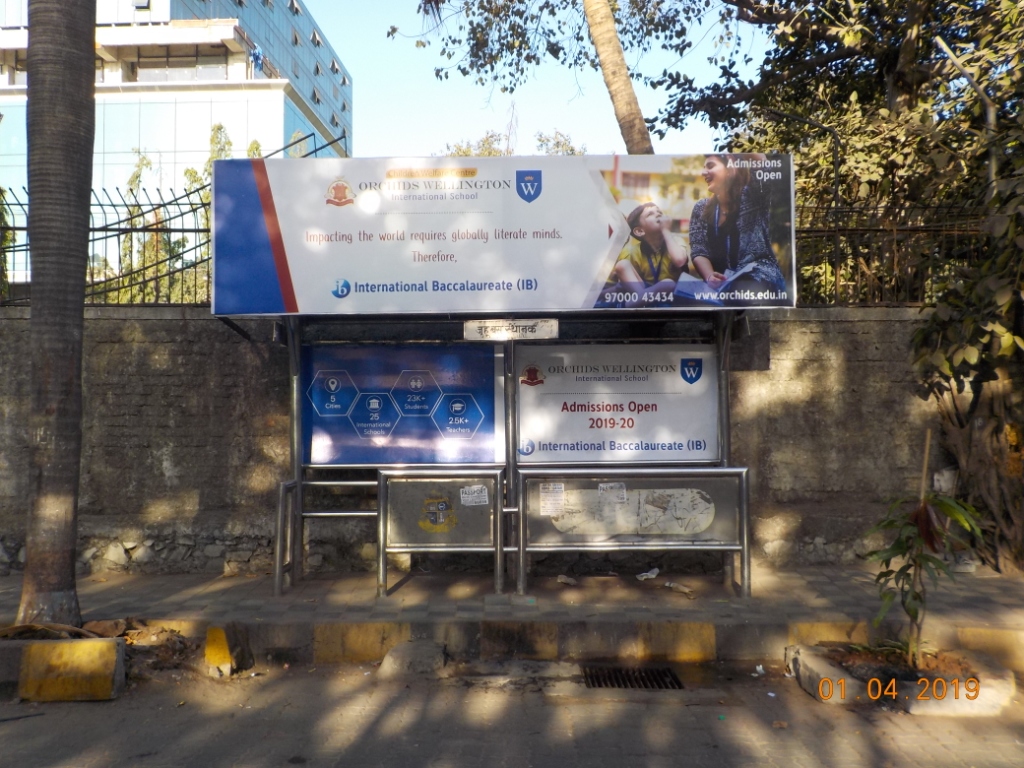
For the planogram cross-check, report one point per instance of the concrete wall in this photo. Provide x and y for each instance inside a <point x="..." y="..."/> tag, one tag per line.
<point x="186" y="436"/>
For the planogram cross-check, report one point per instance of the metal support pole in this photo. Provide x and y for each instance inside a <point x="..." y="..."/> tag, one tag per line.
<point x="745" y="534"/>
<point x="521" y="551"/>
<point x="511" y="427"/>
<point x="281" y="538"/>
<point x="724" y="337"/>
<point x="382" y="536"/>
<point x="511" y="496"/>
<point x="724" y="340"/>
<point x="499" y="542"/>
<point x="294" y="329"/>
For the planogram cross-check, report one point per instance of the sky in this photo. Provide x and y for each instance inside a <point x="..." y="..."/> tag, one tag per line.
<point x="400" y="107"/>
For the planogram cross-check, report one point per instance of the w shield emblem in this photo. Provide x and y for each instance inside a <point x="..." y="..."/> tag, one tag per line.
<point x="528" y="185"/>
<point x="691" y="370"/>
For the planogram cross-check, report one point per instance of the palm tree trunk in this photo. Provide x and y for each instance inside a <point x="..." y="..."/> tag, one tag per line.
<point x="616" y="77"/>
<point x="61" y="127"/>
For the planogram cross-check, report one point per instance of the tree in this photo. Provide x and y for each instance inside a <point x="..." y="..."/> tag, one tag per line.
<point x="196" y="183"/>
<point x="874" y="83"/>
<point x="875" y="74"/>
<point x="492" y="144"/>
<point x="616" y="77"/>
<point x="61" y="119"/>
<point x="843" y="46"/>
<point x="558" y="143"/>
<point x="495" y="144"/>
<point x="499" y="40"/>
<point x="904" y="90"/>
<point x="127" y="292"/>
<point x="6" y="241"/>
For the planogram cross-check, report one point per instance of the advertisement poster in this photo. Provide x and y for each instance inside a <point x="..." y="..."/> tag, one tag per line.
<point x="504" y="234"/>
<point x="403" y="404"/>
<point x="617" y="403"/>
<point x="588" y="509"/>
<point x="434" y="512"/>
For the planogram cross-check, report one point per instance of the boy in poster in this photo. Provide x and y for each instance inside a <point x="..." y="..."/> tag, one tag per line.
<point x="649" y="264"/>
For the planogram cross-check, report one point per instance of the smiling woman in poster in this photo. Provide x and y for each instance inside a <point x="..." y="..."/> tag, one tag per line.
<point x="730" y="241"/>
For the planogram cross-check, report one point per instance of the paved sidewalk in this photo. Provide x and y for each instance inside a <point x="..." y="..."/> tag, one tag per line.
<point x="983" y="611"/>
<point x="343" y="715"/>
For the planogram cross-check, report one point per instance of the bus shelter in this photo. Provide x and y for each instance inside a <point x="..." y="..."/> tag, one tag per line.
<point x="519" y="354"/>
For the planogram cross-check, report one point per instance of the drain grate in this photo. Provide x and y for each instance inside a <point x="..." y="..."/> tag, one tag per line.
<point x="649" y="678"/>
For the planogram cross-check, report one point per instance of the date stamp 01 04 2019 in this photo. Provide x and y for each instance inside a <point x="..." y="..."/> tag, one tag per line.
<point x="931" y="688"/>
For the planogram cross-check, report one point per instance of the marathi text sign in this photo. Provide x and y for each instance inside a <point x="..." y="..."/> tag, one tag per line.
<point x="617" y="403"/>
<point x="510" y="234"/>
<point x="404" y="404"/>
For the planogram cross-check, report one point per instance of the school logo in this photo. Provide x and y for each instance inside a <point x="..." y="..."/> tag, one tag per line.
<point x="531" y="375"/>
<point x="691" y="370"/>
<point x="341" y="289"/>
<point x="528" y="185"/>
<point x="526" y="446"/>
<point x="339" y="193"/>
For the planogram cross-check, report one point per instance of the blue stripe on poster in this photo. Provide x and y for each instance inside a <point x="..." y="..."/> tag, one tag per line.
<point x="245" y="277"/>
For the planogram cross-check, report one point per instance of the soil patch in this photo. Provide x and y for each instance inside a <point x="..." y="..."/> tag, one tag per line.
<point x="865" y="663"/>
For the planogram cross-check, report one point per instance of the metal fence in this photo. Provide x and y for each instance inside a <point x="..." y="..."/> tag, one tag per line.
<point x="144" y="249"/>
<point x="860" y="256"/>
<point x="154" y="249"/>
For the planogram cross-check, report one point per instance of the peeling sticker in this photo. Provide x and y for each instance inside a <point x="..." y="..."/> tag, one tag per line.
<point x="474" y="496"/>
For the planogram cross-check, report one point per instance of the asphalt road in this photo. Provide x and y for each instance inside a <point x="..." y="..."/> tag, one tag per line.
<point x="346" y="716"/>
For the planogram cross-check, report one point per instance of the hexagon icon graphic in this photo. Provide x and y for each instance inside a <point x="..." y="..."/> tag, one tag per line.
<point x="374" y="415"/>
<point x="458" y="417"/>
<point x="332" y="393"/>
<point x="416" y="393"/>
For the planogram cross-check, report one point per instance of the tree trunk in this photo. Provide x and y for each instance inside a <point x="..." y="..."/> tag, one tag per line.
<point x="61" y="127"/>
<point x="616" y="77"/>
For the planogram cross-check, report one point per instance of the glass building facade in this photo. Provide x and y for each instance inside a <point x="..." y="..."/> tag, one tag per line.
<point x="168" y="71"/>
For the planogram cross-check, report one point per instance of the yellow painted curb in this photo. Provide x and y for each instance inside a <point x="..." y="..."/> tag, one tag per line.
<point x="1004" y="645"/>
<point x="534" y="641"/>
<point x="341" y="643"/>
<point x="814" y="632"/>
<point x="72" y="670"/>
<point x="679" y="641"/>
<point x="217" y="652"/>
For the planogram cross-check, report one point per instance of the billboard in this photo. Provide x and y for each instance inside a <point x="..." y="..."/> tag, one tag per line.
<point x="643" y="403"/>
<point x="502" y="235"/>
<point x="402" y="404"/>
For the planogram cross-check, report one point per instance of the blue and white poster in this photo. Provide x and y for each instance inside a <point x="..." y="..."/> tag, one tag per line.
<point x="486" y="235"/>
<point x="402" y="404"/>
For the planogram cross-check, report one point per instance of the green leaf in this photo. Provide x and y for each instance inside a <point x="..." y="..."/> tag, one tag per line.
<point x="888" y="598"/>
<point x="998" y="225"/>
<point x="971" y="355"/>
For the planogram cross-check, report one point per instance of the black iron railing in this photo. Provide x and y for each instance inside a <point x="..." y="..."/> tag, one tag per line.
<point x="154" y="249"/>
<point x="144" y="249"/>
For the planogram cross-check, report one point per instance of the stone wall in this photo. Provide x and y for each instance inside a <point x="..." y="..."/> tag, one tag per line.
<point x="186" y="437"/>
<point x="832" y="428"/>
